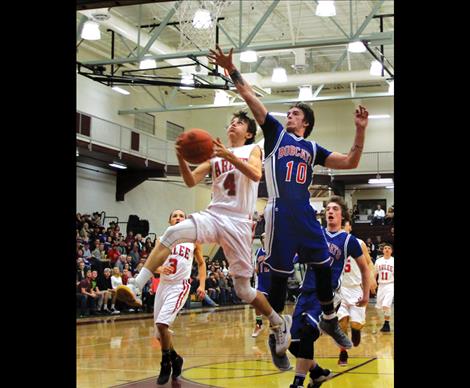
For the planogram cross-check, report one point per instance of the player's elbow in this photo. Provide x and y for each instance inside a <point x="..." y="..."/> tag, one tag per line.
<point x="256" y="177"/>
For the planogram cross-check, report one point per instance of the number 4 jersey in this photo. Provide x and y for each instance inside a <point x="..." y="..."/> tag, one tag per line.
<point x="232" y="190"/>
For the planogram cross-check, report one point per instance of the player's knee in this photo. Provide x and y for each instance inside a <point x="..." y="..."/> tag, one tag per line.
<point x="308" y="335"/>
<point x="182" y="232"/>
<point x="162" y="327"/>
<point x="294" y="348"/>
<point x="244" y="290"/>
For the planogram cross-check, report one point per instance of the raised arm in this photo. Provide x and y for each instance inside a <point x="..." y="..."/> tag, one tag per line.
<point x="251" y="169"/>
<point x="217" y="57"/>
<point x="340" y="161"/>
<point x="191" y="178"/>
<point x="201" y="270"/>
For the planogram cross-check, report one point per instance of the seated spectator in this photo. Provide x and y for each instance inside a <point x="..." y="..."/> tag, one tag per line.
<point x="379" y="216"/>
<point x="355" y="213"/>
<point x="212" y="287"/>
<point x="85" y="232"/>
<point x="113" y="254"/>
<point x="86" y="250"/>
<point x="88" y="296"/>
<point x="389" y="216"/>
<point x="81" y="271"/>
<point x="134" y="254"/>
<point x="105" y="286"/>
<point x="99" y="294"/>
<point x="138" y="240"/>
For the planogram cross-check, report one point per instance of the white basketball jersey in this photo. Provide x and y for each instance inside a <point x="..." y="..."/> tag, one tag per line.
<point x="351" y="272"/>
<point x="385" y="269"/>
<point x="232" y="190"/>
<point x="181" y="259"/>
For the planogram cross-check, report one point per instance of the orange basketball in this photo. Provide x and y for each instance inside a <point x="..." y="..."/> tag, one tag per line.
<point x="196" y="145"/>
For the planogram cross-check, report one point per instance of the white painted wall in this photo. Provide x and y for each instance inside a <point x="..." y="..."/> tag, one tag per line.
<point x="151" y="200"/>
<point x="388" y="194"/>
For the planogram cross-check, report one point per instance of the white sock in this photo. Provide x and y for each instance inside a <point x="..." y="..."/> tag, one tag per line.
<point x="274" y="319"/>
<point x="329" y="316"/>
<point x="112" y="306"/>
<point x="143" y="277"/>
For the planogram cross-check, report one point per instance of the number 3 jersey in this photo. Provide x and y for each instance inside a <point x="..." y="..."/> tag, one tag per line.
<point x="385" y="269"/>
<point x="231" y="189"/>
<point x="181" y="259"/>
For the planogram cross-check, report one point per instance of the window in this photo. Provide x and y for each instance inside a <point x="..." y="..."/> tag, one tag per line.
<point x="145" y="122"/>
<point x="173" y="130"/>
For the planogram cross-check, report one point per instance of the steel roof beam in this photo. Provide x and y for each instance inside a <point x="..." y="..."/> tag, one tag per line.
<point x="385" y="37"/>
<point x="263" y="100"/>
<point x="160" y="28"/>
<point x="353" y="38"/>
<point x="259" y="25"/>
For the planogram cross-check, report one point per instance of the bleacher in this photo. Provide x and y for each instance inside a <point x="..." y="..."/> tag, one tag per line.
<point x="365" y="230"/>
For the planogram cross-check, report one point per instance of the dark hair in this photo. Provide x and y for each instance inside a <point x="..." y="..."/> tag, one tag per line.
<point x="309" y="117"/>
<point x="243" y="116"/>
<point x="388" y="245"/>
<point x="344" y="208"/>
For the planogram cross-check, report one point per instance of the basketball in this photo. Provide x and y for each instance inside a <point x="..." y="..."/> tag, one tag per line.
<point x="196" y="145"/>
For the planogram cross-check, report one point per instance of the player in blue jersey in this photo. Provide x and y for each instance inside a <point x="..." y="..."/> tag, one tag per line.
<point x="291" y="225"/>
<point x="263" y="277"/>
<point x="305" y="327"/>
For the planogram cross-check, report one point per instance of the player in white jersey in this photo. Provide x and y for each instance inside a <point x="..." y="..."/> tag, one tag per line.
<point x="172" y="292"/>
<point x="384" y="268"/>
<point x="349" y="314"/>
<point x="236" y="172"/>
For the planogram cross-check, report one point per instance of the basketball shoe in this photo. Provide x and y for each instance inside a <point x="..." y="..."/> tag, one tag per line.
<point x="386" y="327"/>
<point x="331" y="327"/>
<point x="256" y="332"/>
<point x="165" y="371"/>
<point x="318" y="376"/>
<point x="282" y="334"/>
<point x="176" y="365"/>
<point x="281" y="362"/>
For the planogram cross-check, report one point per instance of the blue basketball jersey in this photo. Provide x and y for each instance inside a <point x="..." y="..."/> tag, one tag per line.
<point x="289" y="161"/>
<point x="340" y="245"/>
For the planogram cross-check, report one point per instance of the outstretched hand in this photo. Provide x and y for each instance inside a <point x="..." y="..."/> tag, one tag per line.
<point x="219" y="58"/>
<point x="361" y="118"/>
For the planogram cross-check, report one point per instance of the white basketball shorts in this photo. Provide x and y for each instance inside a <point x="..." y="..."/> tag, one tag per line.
<point x="349" y="297"/>
<point x="169" y="299"/>
<point x="385" y="295"/>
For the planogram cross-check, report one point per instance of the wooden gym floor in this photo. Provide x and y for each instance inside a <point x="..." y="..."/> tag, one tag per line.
<point x="219" y="351"/>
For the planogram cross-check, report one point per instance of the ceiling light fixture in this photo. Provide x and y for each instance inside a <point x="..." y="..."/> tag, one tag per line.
<point x="187" y="79"/>
<point x="202" y="19"/>
<point x="325" y="8"/>
<point x="380" y="181"/>
<point x="221" y="98"/>
<point x="119" y="90"/>
<point x="305" y="92"/>
<point x="77" y="154"/>
<point x="248" y="56"/>
<point x="356" y="47"/>
<point x="91" y="30"/>
<point x="379" y="117"/>
<point x="148" y="63"/>
<point x="375" y="68"/>
<point x="122" y="166"/>
<point x="279" y="75"/>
